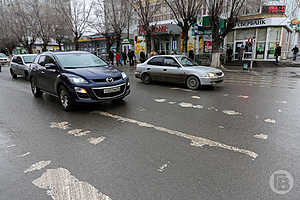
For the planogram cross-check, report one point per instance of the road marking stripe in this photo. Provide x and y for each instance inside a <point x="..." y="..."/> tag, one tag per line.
<point x="195" y="141"/>
<point x="61" y="185"/>
<point x="97" y="140"/>
<point x="24" y="155"/>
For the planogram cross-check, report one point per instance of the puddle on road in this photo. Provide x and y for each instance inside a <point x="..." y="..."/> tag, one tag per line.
<point x="195" y="141"/>
<point x="61" y="185"/>
<point x="37" y="166"/>
<point x="60" y="125"/>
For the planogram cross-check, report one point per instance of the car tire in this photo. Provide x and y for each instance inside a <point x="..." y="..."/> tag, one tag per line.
<point x="65" y="99"/>
<point x="146" y="78"/>
<point x="193" y="83"/>
<point x="35" y="90"/>
<point x="13" y="75"/>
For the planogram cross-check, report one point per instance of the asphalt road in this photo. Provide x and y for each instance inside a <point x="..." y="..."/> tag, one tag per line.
<point x="163" y="143"/>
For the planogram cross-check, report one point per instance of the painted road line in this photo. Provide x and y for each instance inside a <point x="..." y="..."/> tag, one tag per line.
<point x="61" y="185"/>
<point x="24" y="155"/>
<point x="97" y="140"/>
<point x="60" y="125"/>
<point x="195" y="141"/>
<point x="38" y="166"/>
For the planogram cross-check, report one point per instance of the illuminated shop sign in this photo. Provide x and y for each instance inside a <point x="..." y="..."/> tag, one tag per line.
<point x="273" y="9"/>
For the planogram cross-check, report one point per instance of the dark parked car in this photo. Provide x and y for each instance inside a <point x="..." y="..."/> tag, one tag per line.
<point x="77" y="77"/>
<point x="21" y="65"/>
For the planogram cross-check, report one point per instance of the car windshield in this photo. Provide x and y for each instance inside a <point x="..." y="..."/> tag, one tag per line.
<point x="29" y="59"/>
<point x="185" y="61"/>
<point x="80" y="60"/>
<point x="2" y="55"/>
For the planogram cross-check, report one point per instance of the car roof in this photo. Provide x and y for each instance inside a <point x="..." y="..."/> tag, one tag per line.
<point x="63" y="52"/>
<point x="25" y="55"/>
<point x="173" y="56"/>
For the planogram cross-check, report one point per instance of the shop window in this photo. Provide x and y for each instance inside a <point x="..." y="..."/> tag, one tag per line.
<point x="274" y="34"/>
<point x="244" y="34"/>
<point x="230" y="36"/>
<point x="260" y="50"/>
<point x="261" y="34"/>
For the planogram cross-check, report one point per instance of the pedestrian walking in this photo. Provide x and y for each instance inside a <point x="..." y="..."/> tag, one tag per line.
<point x="277" y="53"/>
<point x="241" y="53"/>
<point x="191" y="54"/>
<point x="124" y="57"/>
<point x="295" y="52"/>
<point x="142" y="57"/>
<point x="111" y="57"/>
<point x="118" y="58"/>
<point x="131" y="56"/>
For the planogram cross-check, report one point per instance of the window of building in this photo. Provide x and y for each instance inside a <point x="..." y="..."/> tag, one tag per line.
<point x="274" y="38"/>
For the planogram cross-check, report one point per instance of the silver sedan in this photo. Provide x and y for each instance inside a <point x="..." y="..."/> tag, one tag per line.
<point x="178" y="69"/>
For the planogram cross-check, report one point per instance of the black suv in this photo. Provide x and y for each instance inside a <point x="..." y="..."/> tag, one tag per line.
<point x="77" y="77"/>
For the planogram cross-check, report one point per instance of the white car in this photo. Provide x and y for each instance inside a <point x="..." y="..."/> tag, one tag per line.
<point x="20" y="65"/>
<point x="178" y="69"/>
<point x="3" y="60"/>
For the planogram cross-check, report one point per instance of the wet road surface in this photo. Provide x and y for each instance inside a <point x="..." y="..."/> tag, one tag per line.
<point x="163" y="142"/>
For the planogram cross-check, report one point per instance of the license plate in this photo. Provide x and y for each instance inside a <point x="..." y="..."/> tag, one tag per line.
<point x="112" y="90"/>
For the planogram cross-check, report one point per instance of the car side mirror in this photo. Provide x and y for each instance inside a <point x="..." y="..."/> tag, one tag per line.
<point x="51" y="66"/>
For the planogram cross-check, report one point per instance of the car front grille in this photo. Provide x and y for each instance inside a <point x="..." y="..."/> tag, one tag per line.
<point x="99" y="92"/>
<point x="104" y="80"/>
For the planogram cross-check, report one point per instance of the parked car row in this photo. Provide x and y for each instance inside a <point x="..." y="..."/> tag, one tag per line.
<point x="81" y="77"/>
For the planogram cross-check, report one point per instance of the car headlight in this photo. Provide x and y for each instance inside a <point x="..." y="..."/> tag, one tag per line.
<point x="77" y="80"/>
<point x="211" y="75"/>
<point x="124" y="76"/>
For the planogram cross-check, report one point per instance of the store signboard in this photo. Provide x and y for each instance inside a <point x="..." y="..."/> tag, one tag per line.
<point x="207" y="46"/>
<point x="274" y="21"/>
<point x="273" y="9"/>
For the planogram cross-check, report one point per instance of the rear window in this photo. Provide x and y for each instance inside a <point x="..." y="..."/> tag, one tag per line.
<point x="156" y="61"/>
<point x="29" y="59"/>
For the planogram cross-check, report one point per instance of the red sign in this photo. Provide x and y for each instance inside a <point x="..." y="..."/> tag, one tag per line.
<point x="274" y="9"/>
<point x="155" y="29"/>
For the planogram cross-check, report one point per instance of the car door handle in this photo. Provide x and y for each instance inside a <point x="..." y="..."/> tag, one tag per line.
<point x="165" y="70"/>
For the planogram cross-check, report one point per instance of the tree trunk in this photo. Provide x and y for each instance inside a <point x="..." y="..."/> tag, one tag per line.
<point x="185" y="32"/>
<point x="45" y="44"/>
<point x="216" y="54"/>
<point x="118" y="43"/>
<point x="76" y="43"/>
<point x="59" y="45"/>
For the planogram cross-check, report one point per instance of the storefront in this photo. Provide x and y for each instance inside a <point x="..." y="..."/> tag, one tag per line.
<point x="165" y="39"/>
<point x="261" y="34"/>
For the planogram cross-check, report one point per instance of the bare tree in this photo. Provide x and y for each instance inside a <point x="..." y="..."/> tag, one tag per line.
<point x="185" y="13"/>
<point x="42" y="12"/>
<point x="146" y="11"/>
<point x="77" y="16"/>
<point x="23" y="25"/>
<point x="229" y="11"/>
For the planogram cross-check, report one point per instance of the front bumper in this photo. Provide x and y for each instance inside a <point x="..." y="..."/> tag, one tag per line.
<point x="97" y="95"/>
<point x="212" y="81"/>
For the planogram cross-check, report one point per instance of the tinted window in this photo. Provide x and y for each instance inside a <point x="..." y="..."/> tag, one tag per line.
<point x="19" y="60"/>
<point x="80" y="60"/>
<point x="42" y="60"/>
<point x="14" y="59"/>
<point x="28" y="59"/>
<point x="170" y="62"/>
<point x="156" y="61"/>
<point x="49" y="60"/>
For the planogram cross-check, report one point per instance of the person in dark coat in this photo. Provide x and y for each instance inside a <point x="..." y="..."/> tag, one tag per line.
<point x="142" y="57"/>
<point x="124" y="57"/>
<point x="295" y="52"/>
<point x="191" y="54"/>
<point x="131" y="56"/>
<point x="229" y="54"/>
<point x="277" y="52"/>
<point x="111" y="57"/>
